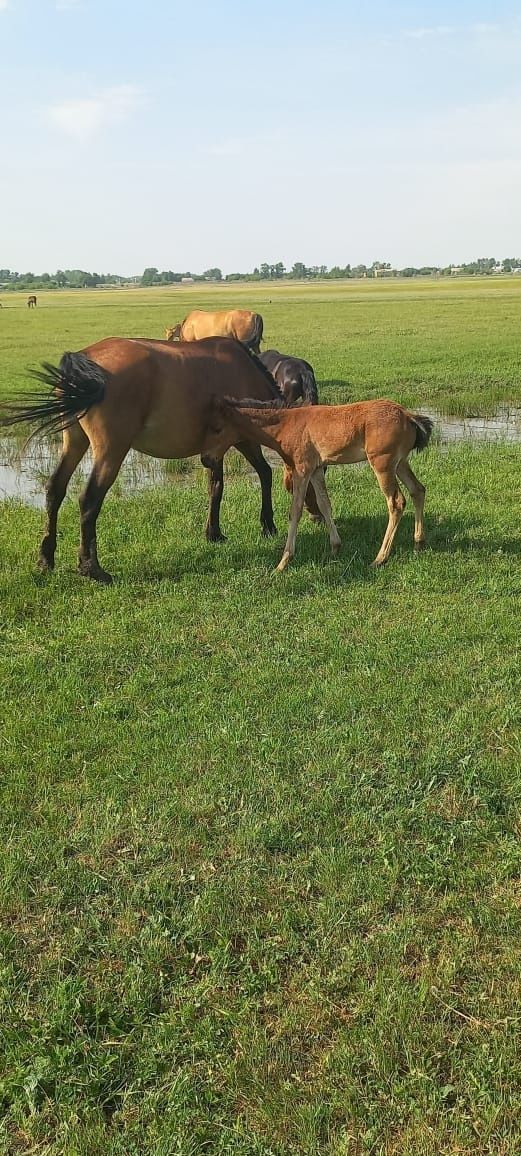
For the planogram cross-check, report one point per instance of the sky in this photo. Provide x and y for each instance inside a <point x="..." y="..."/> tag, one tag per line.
<point x="140" y="133"/>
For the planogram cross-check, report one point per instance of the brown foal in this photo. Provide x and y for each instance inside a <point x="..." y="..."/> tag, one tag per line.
<point x="310" y="437"/>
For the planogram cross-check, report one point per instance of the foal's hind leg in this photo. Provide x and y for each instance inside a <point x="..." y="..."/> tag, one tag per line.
<point x="417" y="492"/>
<point x="75" y="443"/>
<point x="254" y="455"/>
<point x="324" y="504"/>
<point x="385" y="470"/>
<point x="104" y="473"/>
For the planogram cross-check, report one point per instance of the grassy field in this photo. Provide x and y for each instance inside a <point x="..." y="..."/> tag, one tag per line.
<point x="260" y="882"/>
<point x="455" y="343"/>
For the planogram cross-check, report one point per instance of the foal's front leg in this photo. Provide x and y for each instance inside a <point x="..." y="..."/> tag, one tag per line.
<point x="324" y="505"/>
<point x="300" y="483"/>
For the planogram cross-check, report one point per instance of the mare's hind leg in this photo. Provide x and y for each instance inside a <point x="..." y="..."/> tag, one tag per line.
<point x="300" y="483"/>
<point x="214" y="467"/>
<point x="75" y="443"/>
<point x="385" y="470"/>
<point x="417" y="492"/>
<point x="325" y="509"/>
<point x="254" y="455"/>
<point x="104" y="473"/>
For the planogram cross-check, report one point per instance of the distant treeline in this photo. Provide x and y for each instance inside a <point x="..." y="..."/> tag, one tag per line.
<point x="80" y="279"/>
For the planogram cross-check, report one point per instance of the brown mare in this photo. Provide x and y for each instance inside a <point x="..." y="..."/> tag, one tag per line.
<point x="240" y="324"/>
<point x="308" y="438"/>
<point x="124" y="393"/>
<point x="31" y="301"/>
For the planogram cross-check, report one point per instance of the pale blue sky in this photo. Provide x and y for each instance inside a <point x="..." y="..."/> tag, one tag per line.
<point x="189" y="135"/>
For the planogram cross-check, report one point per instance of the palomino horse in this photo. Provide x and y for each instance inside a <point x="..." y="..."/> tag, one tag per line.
<point x="240" y="324"/>
<point x="124" y="393"/>
<point x="307" y="438"/>
<point x="31" y="301"/>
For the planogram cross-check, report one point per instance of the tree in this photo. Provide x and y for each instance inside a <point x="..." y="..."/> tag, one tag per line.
<point x="150" y="276"/>
<point x="213" y="275"/>
<point x="299" y="271"/>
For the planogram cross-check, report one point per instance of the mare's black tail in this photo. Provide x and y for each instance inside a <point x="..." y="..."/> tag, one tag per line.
<point x="73" y="388"/>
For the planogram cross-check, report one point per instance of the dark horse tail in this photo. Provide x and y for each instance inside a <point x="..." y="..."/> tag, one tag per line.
<point x="424" y="428"/>
<point x="256" y="337"/>
<point x="73" y="388"/>
<point x="309" y="387"/>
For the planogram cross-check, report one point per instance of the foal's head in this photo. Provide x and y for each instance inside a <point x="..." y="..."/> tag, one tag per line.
<point x="173" y="334"/>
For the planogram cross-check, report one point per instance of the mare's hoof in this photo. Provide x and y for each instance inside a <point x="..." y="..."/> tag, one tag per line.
<point x="269" y="531"/>
<point x="215" y="536"/>
<point x="87" y="570"/>
<point x="419" y="546"/>
<point x="46" y="565"/>
<point x="378" y="563"/>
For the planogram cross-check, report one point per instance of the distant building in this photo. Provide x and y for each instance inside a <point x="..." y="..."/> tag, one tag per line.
<point x="187" y="281"/>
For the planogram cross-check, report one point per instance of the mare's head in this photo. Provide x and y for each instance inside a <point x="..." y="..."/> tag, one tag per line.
<point x="173" y="334"/>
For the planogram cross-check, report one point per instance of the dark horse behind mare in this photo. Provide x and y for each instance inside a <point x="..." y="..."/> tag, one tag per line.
<point x="294" y="376"/>
<point x="156" y="397"/>
<point x="31" y="301"/>
<point x="295" y="379"/>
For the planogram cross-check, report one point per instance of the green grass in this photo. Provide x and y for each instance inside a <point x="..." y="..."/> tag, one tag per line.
<point x="453" y="344"/>
<point x="260" y="859"/>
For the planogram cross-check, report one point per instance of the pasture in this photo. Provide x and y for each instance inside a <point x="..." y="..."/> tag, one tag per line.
<point x="260" y="877"/>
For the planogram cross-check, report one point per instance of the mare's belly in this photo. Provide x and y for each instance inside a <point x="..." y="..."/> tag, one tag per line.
<point x="177" y="435"/>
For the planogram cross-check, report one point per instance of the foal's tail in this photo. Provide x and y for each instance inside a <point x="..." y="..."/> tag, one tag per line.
<point x="424" y="428"/>
<point x="309" y="387"/>
<point x="74" y="387"/>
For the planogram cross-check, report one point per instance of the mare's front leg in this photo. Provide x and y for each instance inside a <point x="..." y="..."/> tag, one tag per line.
<point x="325" y="509"/>
<point x="254" y="455"/>
<point x="215" y="493"/>
<point x="300" y="483"/>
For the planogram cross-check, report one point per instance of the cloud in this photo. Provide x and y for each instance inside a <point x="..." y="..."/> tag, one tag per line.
<point x="226" y="148"/>
<point x="425" y="33"/>
<point x="84" y="117"/>
<point x="3" y="4"/>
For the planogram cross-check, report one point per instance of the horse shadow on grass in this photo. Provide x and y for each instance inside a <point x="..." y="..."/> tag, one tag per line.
<point x="361" y="538"/>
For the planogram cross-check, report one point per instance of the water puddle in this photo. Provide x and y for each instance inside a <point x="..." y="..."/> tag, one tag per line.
<point x="503" y="426"/>
<point x="25" y="467"/>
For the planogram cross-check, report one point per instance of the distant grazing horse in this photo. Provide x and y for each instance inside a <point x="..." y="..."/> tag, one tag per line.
<point x="152" y="396"/>
<point x="380" y="432"/>
<point x="31" y="301"/>
<point x="244" y="326"/>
